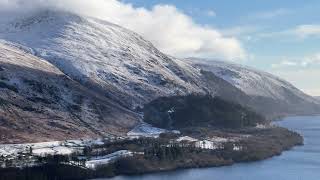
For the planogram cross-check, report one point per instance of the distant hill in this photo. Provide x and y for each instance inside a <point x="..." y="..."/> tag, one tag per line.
<point x="261" y="91"/>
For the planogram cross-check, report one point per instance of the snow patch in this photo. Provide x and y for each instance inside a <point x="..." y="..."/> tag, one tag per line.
<point x="103" y="160"/>
<point x="186" y="138"/>
<point x="145" y="130"/>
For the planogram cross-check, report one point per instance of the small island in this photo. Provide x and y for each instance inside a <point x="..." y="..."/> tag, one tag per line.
<point x="178" y="132"/>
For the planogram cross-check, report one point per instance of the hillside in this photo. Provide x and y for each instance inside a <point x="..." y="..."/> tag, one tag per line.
<point x="199" y="111"/>
<point x="114" y="61"/>
<point x="40" y="103"/>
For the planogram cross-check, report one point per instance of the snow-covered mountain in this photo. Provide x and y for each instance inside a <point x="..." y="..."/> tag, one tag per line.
<point x="261" y="91"/>
<point x="250" y="81"/>
<point x="79" y="75"/>
<point x="117" y="62"/>
<point x="38" y="102"/>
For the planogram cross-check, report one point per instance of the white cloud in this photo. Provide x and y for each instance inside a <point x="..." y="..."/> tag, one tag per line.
<point x="169" y="29"/>
<point x="211" y="13"/>
<point x="305" y="79"/>
<point x="313" y="60"/>
<point x="303" y="73"/>
<point x="270" y="14"/>
<point x="300" y="32"/>
<point x="285" y="63"/>
<point x="196" y="11"/>
<point x="306" y="62"/>
<point x="309" y="30"/>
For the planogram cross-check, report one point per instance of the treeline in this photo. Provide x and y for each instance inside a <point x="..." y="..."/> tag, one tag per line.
<point x="163" y="152"/>
<point x="56" y="167"/>
<point x="161" y="148"/>
<point x="45" y="172"/>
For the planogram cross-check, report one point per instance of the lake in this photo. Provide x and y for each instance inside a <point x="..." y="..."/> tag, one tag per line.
<point x="300" y="163"/>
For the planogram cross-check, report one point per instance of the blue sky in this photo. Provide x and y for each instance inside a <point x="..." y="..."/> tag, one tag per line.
<point x="281" y="37"/>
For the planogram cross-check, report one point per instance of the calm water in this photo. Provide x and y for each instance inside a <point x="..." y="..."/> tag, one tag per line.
<point x="301" y="163"/>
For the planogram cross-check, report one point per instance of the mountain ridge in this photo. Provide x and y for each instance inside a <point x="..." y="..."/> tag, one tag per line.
<point x="122" y="58"/>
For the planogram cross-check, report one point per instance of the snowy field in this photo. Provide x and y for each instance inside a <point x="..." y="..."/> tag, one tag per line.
<point x="11" y="151"/>
<point x="146" y="130"/>
<point x="47" y="148"/>
<point x="212" y="143"/>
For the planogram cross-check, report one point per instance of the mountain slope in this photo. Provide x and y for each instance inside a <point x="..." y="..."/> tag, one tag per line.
<point x="263" y="92"/>
<point x="97" y="73"/>
<point x="115" y="61"/>
<point x="121" y="65"/>
<point x="38" y="102"/>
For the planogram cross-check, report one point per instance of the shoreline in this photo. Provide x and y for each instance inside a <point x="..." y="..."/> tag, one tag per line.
<point x="298" y="142"/>
<point x="263" y="144"/>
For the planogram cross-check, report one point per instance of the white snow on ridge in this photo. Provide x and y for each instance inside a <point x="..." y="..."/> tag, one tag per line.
<point x="130" y="68"/>
<point x="248" y="80"/>
<point x="11" y="53"/>
<point x="106" y="54"/>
